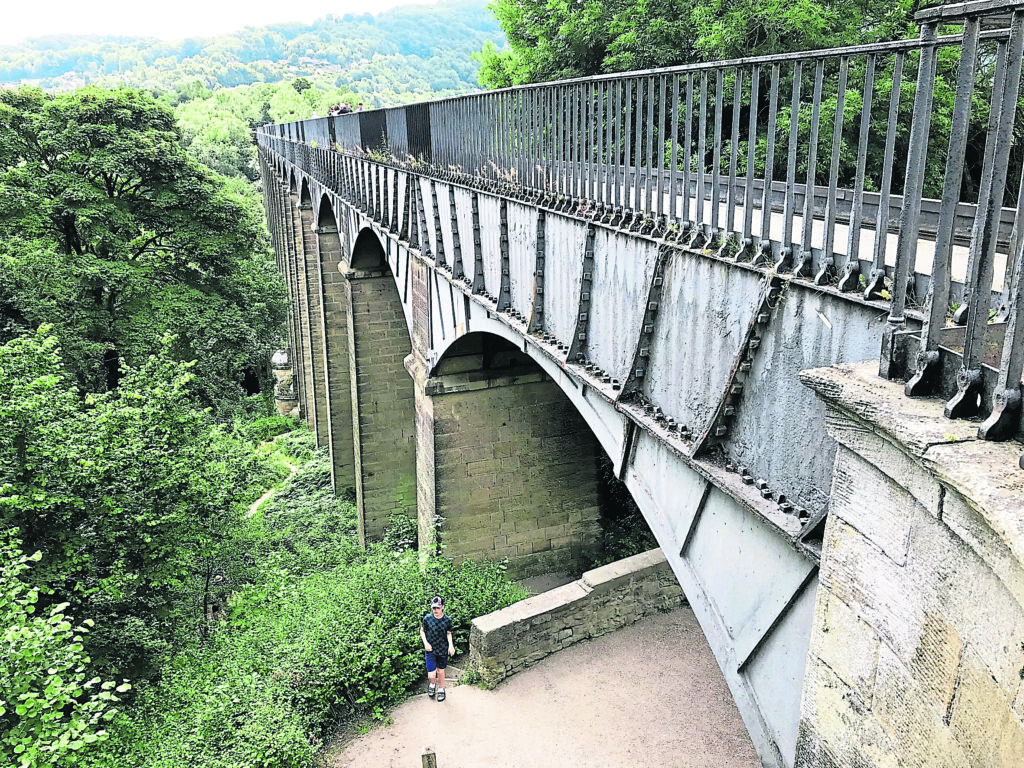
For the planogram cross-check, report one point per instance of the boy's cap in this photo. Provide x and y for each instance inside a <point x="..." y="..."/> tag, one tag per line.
<point x="437" y="602"/>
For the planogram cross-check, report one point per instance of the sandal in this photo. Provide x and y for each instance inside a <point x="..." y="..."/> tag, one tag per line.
<point x="440" y="695"/>
<point x="431" y="690"/>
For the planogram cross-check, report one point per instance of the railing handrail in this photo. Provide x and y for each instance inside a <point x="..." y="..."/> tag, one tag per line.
<point x="892" y="46"/>
<point x="635" y="149"/>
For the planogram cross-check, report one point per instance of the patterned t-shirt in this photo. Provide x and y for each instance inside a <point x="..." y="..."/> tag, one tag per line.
<point x="437" y="631"/>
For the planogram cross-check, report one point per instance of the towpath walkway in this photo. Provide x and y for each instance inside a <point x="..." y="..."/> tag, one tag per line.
<point x="647" y="696"/>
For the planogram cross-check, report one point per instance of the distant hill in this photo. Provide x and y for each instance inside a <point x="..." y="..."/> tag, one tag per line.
<point x="398" y="55"/>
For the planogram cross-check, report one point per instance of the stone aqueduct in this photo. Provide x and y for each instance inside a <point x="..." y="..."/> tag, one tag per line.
<point x="467" y="343"/>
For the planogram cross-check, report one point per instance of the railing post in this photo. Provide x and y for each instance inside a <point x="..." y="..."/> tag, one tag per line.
<point x="981" y="264"/>
<point x="893" y="359"/>
<point x="937" y="300"/>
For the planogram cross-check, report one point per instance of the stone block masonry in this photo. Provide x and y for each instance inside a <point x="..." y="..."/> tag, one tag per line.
<point x="917" y="649"/>
<point x="303" y="289"/>
<point x="605" y="599"/>
<point x="384" y="398"/>
<point x="337" y="364"/>
<point x="315" y="319"/>
<point x="515" y="472"/>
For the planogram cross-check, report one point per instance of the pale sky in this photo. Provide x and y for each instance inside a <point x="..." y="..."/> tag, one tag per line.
<point x="168" y="19"/>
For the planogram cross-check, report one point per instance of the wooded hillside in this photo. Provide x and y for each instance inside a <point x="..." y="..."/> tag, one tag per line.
<point x="403" y="54"/>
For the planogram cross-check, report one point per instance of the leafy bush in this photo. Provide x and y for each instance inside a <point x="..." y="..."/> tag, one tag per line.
<point x="49" y="707"/>
<point x="624" y="530"/>
<point x="318" y="630"/>
<point x="266" y="428"/>
<point x="299" y="444"/>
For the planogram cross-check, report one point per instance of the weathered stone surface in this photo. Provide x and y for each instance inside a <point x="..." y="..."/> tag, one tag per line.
<point x="922" y="566"/>
<point x="913" y="423"/>
<point x="515" y="470"/>
<point x="850" y="645"/>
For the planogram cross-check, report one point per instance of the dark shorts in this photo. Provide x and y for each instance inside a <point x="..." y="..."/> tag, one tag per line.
<point x="435" y="660"/>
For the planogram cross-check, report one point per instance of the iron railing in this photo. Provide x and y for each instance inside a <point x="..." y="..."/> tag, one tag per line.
<point x="840" y="166"/>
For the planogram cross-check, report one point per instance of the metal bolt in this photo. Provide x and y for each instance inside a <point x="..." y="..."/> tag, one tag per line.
<point x="616" y="384"/>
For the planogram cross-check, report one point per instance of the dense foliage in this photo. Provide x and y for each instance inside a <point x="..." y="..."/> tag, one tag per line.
<point x="49" y="707"/>
<point x="246" y="637"/>
<point x="557" y="39"/>
<point x="129" y="496"/>
<point x="113" y="233"/>
<point x="315" y="630"/>
<point x="216" y="125"/>
<point x="402" y="54"/>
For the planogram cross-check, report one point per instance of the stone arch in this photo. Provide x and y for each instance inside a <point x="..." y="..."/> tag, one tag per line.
<point x="299" y="283"/>
<point x="311" y="296"/>
<point x="607" y="431"/>
<point x="325" y="211"/>
<point x="368" y="253"/>
<point x="513" y="466"/>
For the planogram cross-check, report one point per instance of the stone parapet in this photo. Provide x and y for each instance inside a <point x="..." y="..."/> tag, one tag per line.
<point x="917" y="649"/>
<point x="603" y="600"/>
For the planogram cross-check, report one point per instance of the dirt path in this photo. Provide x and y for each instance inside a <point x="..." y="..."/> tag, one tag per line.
<point x="666" y="707"/>
<point x="271" y="491"/>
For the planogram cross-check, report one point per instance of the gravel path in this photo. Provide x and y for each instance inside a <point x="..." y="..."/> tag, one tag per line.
<point x="648" y="695"/>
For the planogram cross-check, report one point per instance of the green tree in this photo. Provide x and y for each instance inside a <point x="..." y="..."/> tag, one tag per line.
<point x="140" y="239"/>
<point x="555" y="39"/>
<point x="129" y="495"/>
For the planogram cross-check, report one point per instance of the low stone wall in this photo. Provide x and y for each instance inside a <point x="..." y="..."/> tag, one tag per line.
<point x="605" y="599"/>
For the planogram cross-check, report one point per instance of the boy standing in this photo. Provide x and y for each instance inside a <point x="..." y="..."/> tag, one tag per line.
<point x="436" y="634"/>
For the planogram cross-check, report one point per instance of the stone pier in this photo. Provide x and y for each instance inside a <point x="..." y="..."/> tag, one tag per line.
<point x="917" y="648"/>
